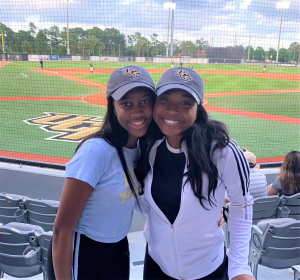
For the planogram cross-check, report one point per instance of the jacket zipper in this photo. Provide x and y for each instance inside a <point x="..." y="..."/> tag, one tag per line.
<point x="175" y="256"/>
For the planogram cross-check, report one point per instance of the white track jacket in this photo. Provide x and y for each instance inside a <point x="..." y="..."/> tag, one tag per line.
<point x="193" y="246"/>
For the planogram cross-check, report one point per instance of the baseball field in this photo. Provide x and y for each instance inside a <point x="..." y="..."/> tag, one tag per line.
<point x="44" y="114"/>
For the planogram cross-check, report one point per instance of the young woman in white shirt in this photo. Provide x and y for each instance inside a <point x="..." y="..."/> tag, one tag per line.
<point x="187" y="163"/>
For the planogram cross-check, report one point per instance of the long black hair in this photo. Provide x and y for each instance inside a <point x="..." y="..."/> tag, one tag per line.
<point x="114" y="134"/>
<point x="202" y="139"/>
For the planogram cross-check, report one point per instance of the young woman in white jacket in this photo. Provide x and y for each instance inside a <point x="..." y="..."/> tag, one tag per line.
<point x="187" y="163"/>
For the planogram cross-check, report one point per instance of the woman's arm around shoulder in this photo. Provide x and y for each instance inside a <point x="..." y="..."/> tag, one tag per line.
<point x="73" y="200"/>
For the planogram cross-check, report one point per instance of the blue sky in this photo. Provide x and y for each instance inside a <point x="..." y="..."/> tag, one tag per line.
<point x="194" y="19"/>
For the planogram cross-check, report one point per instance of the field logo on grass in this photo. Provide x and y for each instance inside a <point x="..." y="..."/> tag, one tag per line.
<point x="71" y="127"/>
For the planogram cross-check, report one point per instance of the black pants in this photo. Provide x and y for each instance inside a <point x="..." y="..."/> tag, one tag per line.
<point x="152" y="271"/>
<point x="98" y="261"/>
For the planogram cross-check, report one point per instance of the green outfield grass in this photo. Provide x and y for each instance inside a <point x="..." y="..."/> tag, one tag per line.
<point x="13" y="83"/>
<point x="285" y="104"/>
<point x="265" y="138"/>
<point x="85" y="64"/>
<point x="219" y="83"/>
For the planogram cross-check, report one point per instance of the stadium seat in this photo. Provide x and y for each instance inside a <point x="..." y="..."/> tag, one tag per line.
<point x="263" y="208"/>
<point x="275" y="244"/>
<point x="39" y="212"/>
<point x="17" y="240"/>
<point x="9" y="204"/>
<point x="296" y="269"/>
<point x="293" y="204"/>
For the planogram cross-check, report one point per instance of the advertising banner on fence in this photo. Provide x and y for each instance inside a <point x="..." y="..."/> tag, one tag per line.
<point x="149" y="59"/>
<point x="193" y="60"/>
<point x="176" y="60"/>
<point x="94" y="58"/>
<point x="54" y="57"/>
<point x="140" y="59"/>
<point x="33" y="57"/>
<point x="166" y="60"/>
<point x="130" y="58"/>
<point x="123" y="59"/>
<point x="202" y="60"/>
<point x="286" y="65"/>
<point x="44" y="57"/>
<point x="158" y="60"/>
<point x="65" y="57"/>
<point x="76" y="58"/>
<point x="109" y="58"/>
<point x="85" y="58"/>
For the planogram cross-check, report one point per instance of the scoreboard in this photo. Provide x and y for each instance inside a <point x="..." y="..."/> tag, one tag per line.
<point x="225" y="53"/>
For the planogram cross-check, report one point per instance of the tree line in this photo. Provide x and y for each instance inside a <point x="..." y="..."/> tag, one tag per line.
<point x="111" y="42"/>
<point x="259" y="54"/>
<point x="94" y="41"/>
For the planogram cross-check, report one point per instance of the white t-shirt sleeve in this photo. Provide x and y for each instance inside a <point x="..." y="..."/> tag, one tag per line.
<point x="235" y="175"/>
<point x="90" y="162"/>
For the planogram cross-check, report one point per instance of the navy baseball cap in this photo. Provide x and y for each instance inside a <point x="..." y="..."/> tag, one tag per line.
<point x="127" y="78"/>
<point x="182" y="78"/>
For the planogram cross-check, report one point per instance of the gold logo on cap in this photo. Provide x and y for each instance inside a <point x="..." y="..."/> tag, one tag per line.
<point x="184" y="75"/>
<point x="131" y="72"/>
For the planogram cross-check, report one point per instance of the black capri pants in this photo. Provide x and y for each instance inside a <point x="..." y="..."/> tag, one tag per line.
<point x="97" y="260"/>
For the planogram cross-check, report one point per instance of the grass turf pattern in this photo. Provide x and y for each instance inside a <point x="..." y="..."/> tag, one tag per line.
<point x="264" y="138"/>
<point x="85" y="64"/>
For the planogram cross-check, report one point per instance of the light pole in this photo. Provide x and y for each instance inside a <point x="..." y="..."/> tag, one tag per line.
<point x="249" y="48"/>
<point x="281" y="5"/>
<point x="3" y="48"/>
<point x="172" y="30"/>
<point x="170" y="6"/>
<point x="68" y="43"/>
<point x="49" y="38"/>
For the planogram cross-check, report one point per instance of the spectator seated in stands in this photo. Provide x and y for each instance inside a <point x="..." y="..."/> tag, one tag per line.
<point x="288" y="181"/>
<point x="258" y="181"/>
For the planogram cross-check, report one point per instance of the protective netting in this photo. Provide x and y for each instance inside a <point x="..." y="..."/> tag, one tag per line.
<point x="46" y="110"/>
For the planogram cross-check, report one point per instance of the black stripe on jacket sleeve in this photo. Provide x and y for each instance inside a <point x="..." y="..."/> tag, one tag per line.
<point x="242" y="165"/>
<point x="244" y="161"/>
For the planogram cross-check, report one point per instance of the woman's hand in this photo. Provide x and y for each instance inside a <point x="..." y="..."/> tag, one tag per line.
<point x="243" y="277"/>
<point x="221" y="221"/>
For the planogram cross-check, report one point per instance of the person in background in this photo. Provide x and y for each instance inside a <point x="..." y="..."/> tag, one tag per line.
<point x="181" y="64"/>
<point x="172" y="64"/>
<point x="258" y="182"/>
<point x="288" y="181"/>
<point x="42" y="64"/>
<point x="91" y="68"/>
<point x="265" y="69"/>
<point x="191" y="66"/>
